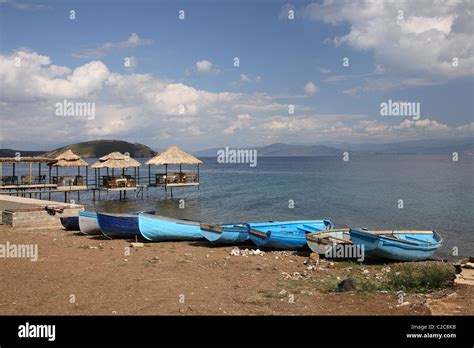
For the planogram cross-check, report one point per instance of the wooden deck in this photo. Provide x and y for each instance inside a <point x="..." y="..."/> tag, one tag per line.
<point x="72" y="188"/>
<point x="175" y="185"/>
<point x="27" y="187"/>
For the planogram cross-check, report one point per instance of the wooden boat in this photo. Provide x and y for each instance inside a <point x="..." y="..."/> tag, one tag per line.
<point x="119" y="225"/>
<point x="400" y="245"/>
<point x="159" y="228"/>
<point x="231" y="233"/>
<point x="319" y="242"/>
<point x="88" y="223"/>
<point x="70" y="223"/>
<point x="290" y="235"/>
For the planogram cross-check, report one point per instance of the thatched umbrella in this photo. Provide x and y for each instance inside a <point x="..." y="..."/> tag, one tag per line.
<point x="68" y="159"/>
<point x="116" y="160"/>
<point x="173" y="156"/>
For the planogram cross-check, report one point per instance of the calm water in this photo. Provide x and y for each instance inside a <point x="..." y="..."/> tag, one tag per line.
<point x="437" y="193"/>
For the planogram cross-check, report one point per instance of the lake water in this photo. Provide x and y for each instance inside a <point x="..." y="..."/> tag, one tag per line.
<point x="437" y="193"/>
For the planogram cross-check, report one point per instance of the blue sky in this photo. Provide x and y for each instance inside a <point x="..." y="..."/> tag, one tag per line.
<point x="227" y="105"/>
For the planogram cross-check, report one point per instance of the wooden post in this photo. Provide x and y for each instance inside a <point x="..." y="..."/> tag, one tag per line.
<point x="31" y="172"/>
<point x="166" y="180"/>
<point x="98" y="182"/>
<point x="50" y="179"/>
<point x="39" y="173"/>
<point x="199" y="182"/>
<point x="149" y="174"/>
<point x="87" y="177"/>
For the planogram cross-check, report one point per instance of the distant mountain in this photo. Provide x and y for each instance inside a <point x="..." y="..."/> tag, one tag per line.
<point x="99" y="148"/>
<point x="282" y="150"/>
<point x="11" y="153"/>
<point x="422" y="147"/>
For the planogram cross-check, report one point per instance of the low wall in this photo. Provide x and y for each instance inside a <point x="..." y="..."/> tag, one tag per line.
<point x="35" y="219"/>
<point x="29" y="214"/>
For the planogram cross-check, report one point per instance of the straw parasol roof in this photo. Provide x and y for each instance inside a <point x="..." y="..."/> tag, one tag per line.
<point x="25" y="159"/>
<point x="173" y="155"/>
<point x="116" y="160"/>
<point x="113" y="155"/>
<point x="68" y="159"/>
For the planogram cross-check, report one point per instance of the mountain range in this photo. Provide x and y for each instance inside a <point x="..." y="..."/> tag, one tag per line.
<point x="99" y="148"/>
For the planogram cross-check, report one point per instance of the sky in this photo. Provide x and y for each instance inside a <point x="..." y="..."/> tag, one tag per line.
<point x="308" y="73"/>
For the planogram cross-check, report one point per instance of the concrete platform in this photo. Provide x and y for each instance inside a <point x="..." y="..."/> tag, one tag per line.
<point x="30" y="213"/>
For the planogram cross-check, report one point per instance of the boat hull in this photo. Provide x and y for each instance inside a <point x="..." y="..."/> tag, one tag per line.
<point x="397" y="246"/>
<point x="88" y="223"/>
<point x="158" y="228"/>
<point x="225" y="233"/>
<point x="287" y="235"/>
<point x="70" y="223"/>
<point x="321" y="242"/>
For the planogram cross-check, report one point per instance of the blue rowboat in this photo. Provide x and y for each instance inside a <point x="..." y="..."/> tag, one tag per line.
<point x="157" y="228"/>
<point x="290" y="235"/>
<point x="397" y="245"/>
<point x="237" y="233"/>
<point x="70" y="223"/>
<point x="119" y="225"/>
<point x="88" y="223"/>
<point x="320" y="242"/>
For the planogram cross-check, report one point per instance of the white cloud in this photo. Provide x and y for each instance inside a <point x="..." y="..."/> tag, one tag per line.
<point x="242" y="121"/>
<point x="140" y="107"/>
<point x="37" y="78"/>
<point x="204" y="66"/>
<point x="134" y="40"/>
<point x="126" y="104"/>
<point x="421" y="45"/>
<point x="355" y="129"/>
<point x="324" y="70"/>
<point x="310" y="88"/>
<point x="24" y="5"/>
<point x="246" y="78"/>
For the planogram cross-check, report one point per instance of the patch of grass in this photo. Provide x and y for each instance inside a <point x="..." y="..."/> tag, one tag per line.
<point x="420" y="277"/>
<point x="410" y="277"/>
<point x="267" y="294"/>
<point x="327" y="284"/>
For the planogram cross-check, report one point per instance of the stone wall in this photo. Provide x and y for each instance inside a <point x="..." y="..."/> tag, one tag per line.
<point x="37" y="219"/>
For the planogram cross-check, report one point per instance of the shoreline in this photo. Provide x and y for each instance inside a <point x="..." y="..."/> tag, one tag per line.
<point x="87" y="275"/>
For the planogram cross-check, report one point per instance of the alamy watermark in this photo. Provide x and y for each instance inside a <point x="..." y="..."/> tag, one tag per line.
<point x="79" y="109"/>
<point x="26" y="251"/>
<point x="400" y="108"/>
<point x="345" y="251"/>
<point x="229" y="155"/>
<point x="28" y="330"/>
